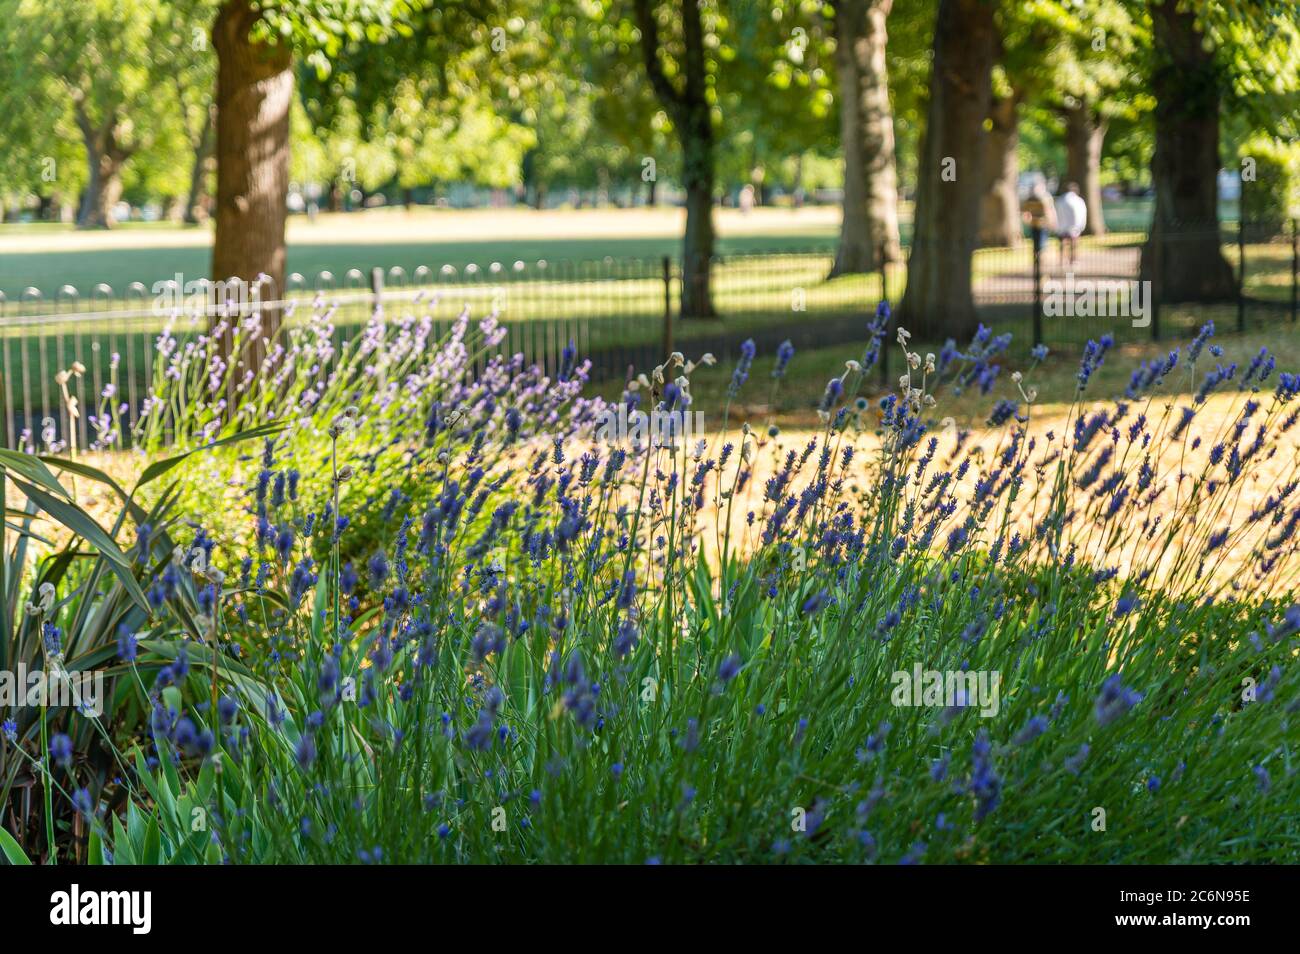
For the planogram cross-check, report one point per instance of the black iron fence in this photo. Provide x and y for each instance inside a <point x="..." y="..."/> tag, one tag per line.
<point x="626" y="313"/>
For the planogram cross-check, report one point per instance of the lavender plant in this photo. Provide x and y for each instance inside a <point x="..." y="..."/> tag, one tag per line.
<point x="662" y="651"/>
<point x="400" y="376"/>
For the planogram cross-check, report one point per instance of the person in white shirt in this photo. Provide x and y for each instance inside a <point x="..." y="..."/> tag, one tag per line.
<point x="1071" y="219"/>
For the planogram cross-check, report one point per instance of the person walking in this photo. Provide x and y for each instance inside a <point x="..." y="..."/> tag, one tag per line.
<point x="1071" y="219"/>
<point x="746" y="200"/>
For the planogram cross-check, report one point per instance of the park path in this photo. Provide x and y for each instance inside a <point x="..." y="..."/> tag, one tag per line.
<point x="1014" y="283"/>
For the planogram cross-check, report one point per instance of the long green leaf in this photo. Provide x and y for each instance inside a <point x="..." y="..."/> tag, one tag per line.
<point x="11" y="849"/>
<point x="160" y="467"/>
<point x="82" y="524"/>
<point x="33" y="469"/>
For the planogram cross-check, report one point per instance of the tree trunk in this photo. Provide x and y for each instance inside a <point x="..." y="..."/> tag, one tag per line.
<point x="938" y="300"/>
<point x="693" y="118"/>
<point x="1184" y="250"/>
<point x="1085" y="132"/>
<point x="697" y="247"/>
<point x="1000" y="203"/>
<point x="869" y="223"/>
<point x="103" y="191"/>
<point x="104" y="161"/>
<point x="254" y="89"/>
<point x="198" y="195"/>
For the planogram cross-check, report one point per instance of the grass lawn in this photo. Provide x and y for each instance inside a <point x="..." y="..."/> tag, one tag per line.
<point x="805" y="381"/>
<point x="51" y="255"/>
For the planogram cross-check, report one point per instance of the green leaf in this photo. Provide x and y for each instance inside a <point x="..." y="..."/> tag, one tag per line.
<point x="11" y="850"/>
<point x="191" y="850"/>
<point x="95" y="849"/>
<point x="160" y="467"/>
<point x="93" y="473"/>
<point x="152" y="844"/>
<point x="33" y="469"/>
<point x="82" y="524"/>
<point x="122" y="853"/>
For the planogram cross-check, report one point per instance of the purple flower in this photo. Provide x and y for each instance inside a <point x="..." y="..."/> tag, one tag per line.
<point x="816" y="603"/>
<point x="305" y="753"/>
<point x="729" y="668"/>
<point x="61" y="750"/>
<point x="378" y="567"/>
<point x="1114" y="700"/>
<point x="784" y="352"/>
<point x="83" y="803"/>
<point x="741" y="373"/>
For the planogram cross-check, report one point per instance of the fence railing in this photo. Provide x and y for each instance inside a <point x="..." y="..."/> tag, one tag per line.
<point x="626" y="313"/>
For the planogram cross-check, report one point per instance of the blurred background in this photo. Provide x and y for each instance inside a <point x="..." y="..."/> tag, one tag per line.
<point x="634" y="176"/>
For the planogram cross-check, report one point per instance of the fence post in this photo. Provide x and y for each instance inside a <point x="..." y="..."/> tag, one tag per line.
<point x="1157" y="239"/>
<point x="1241" y="272"/>
<point x="1295" y="267"/>
<point x="377" y="285"/>
<point x="668" y="306"/>
<point x="884" y="275"/>
<point x="1038" y="285"/>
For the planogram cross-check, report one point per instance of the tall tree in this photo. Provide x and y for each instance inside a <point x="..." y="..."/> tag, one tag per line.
<point x="999" y="221"/>
<point x="1199" y="47"/>
<point x="1085" y="133"/>
<point x="256" y="44"/>
<point x="869" y="224"/>
<point x="92" y="64"/>
<point x="187" y="60"/>
<point x="938" y="299"/>
<point x="1095" y="78"/>
<point x="776" y="88"/>
<point x="254" y="94"/>
<point x="688" y="105"/>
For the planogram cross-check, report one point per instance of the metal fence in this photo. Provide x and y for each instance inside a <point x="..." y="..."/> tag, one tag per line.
<point x="624" y="313"/>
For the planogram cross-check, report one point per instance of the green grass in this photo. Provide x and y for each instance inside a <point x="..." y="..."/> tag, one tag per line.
<point x="139" y="256"/>
<point x="1055" y="379"/>
<point x="140" y="252"/>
